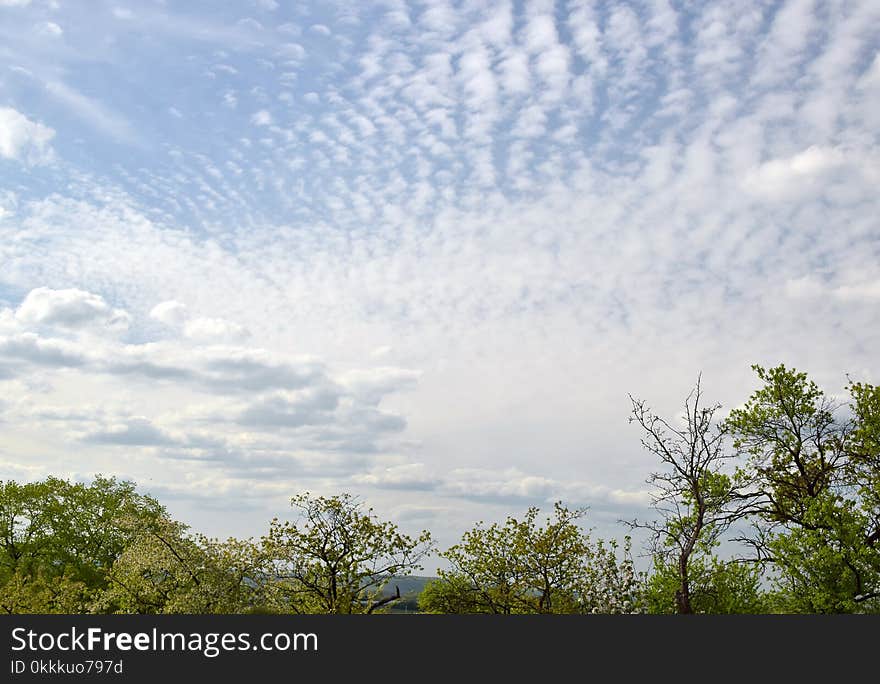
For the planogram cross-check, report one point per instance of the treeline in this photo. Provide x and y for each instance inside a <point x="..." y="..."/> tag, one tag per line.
<point x="790" y="480"/>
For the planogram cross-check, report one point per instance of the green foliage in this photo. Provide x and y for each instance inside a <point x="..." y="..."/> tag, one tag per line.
<point x="36" y="592"/>
<point x="864" y="452"/>
<point x="451" y="593"/>
<point x="59" y="539"/>
<point x="866" y="407"/>
<point x="523" y="567"/>
<point x="812" y="478"/>
<point x="795" y="447"/>
<point x="337" y="557"/>
<point x="825" y="564"/>
<point x="716" y="586"/>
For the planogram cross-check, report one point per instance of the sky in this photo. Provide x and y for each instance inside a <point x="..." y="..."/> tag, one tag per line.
<point x="421" y="252"/>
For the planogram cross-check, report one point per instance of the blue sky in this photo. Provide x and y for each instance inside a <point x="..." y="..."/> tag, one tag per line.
<point x="420" y="251"/>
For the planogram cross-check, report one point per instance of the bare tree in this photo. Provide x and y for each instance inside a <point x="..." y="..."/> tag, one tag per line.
<point x="696" y="501"/>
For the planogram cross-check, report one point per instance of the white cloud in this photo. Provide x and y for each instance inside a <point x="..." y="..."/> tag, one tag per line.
<point x="261" y="118"/>
<point x="870" y="80"/>
<point x="171" y="313"/>
<point x="313" y="406"/>
<point x="787" y="42"/>
<point x="230" y="100"/>
<point x="50" y="29"/>
<point x="641" y="498"/>
<point x="498" y="26"/>
<point x="808" y="287"/>
<point x="587" y="37"/>
<point x="138" y="431"/>
<point x="30" y="348"/>
<point x="413" y="476"/>
<point x="24" y="140"/>
<point x="204" y="329"/>
<point x="861" y="291"/>
<point x="70" y="308"/>
<point x="260" y="406"/>
<point x="803" y="288"/>
<point x="293" y="52"/>
<point x="539" y="33"/>
<point x="14" y="3"/>
<point x="439" y="16"/>
<point x="8" y="204"/>
<point x="372" y="385"/>
<point x="552" y="65"/>
<point x="512" y="485"/>
<point x="792" y="177"/>
<point x="515" y="72"/>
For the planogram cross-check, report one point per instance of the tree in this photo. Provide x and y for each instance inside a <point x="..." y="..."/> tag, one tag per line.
<point x="41" y="593"/>
<point x="716" y="586"/>
<point x="864" y="453"/>
<point x="524" y="567"/>
<point x="59" y="539"/>
<point x="451" y="593"/>
<point x="811" y="482"/>
<point x="610" y="582"/>
<point x="695" y="499"/>
<point x="337" y="557"/>
<point x="794" y="445"/>
<point x="824" y="565"/>
<point x="168" y="570"/>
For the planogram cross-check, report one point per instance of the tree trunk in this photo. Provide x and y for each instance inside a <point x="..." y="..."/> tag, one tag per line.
<point x="683" y="593"/>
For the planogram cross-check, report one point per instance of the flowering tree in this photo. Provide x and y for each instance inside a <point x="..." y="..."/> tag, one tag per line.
<point x="524" y="567"/>
<point x="168" y="570"/>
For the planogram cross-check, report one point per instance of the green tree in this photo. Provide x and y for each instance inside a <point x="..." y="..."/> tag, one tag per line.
<point x="794" y="446"/>
<point x="864" y="454"/>
<point x="524" y="567"/>
<point x="811" y="482"/>
<point x="41" y="593"/>
<point x="824" y="565"/>
<point x="695" y="499"/>
<point x="450" y="593"/>
<point x="716" y="586"/>
<point x="59" y="539"/>
<point x="337" y="557"/>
